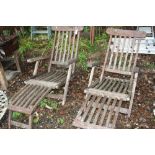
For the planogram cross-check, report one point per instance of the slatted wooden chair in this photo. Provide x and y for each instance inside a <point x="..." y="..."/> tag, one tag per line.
<point x="64" y="55"/>
<point x="106" y="96"/>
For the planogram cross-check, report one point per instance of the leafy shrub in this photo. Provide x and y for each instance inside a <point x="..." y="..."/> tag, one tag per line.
<point x="60" y="121"/>
<point x="50" y="103"/>
<point x="16" y="115"/>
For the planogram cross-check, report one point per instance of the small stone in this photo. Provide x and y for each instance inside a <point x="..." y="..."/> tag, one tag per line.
<point x="128" y="125"/>
<point x="141" y="119"/>
<point x="154" y="103"/>
<point x="154" y="112"/>
<point x="136" y="124"/>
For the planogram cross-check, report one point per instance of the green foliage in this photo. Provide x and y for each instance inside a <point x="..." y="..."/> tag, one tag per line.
<point x="6" y="33"/>
<point x="83" y="60"/>
<point x="35" y="48"/>
<point x="36" y="120"/>
<point x="25" y="45"/>
<point x="60" y="121"/>
<point x="16" y="115"/>
<point x="150" y="65"/>
<point x="50" y="103"/>
<point x="86" y="48"/>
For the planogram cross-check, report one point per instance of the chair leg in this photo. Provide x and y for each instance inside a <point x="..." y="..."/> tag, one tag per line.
<point x="9" y="119"/>
<point x="67" y="84"/>
<point x="30" y="121"/>
<point x="133" y="93"/>
<point x="17" y="61"/>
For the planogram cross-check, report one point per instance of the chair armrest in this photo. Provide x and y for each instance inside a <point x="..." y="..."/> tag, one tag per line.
<point x="71" y="61"/>
<point x="37" y="59"/>
<point x="136" y="70"/>
<point x="94" y="64"/>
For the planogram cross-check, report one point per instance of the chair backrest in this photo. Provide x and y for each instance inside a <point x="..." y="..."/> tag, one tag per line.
<point x="65" y="46"/>
<point x="122" y="52"/>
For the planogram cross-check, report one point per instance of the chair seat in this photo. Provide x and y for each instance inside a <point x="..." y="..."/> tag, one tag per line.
<point x="27" y="99"/>
<point x="99" y="113"/>
<point x="53" y="79"/>
<point x="111" y="87"/>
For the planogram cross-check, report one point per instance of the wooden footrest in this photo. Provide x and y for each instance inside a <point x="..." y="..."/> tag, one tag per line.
<point x="27" y="99"/>
<point x="99" y="112"/>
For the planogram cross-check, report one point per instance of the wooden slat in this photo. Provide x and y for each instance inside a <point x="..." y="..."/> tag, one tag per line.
<point x="57" y="46"/>
<point x="73" y="46"/>
<point x="104" y="106"/>
<point x="118" y="71"/>
<point x="19" y="109"/>
<point x="61" y="49"/>
<point x="55" y="96"/>
<point x="105" y="111"/>
<point x="112" y="86"/>
<point x="102" y="84"/>
<point x="128" y="33"/>
<point x="106" y="58"/>
<point x="48" y="76"/>
<point x="110" y="113"/>
<point x="69" y="46"/>
<point x="80" y="124"/>
<point x="126" y="55"/>
<point x="65" y="48"/>
<point x="53" y="52"/>
<point x="99" y="110"/>
<point x="124" y="97"/>
<point x="108" y="85"/>
<point x="42" y="83"/>
<point x="40" y="97"/>
<point x="112" y="52"/>
<point x="34" y="94"/>
<point x="28" y="97"/>
<point x="116" y="53"/>
<point x="84" y="105"/>
<point x="37" y="98"/>
<point x="131" y="54"/>
<point x="17" y="96"/>
<point x="58" y="77"/>
<point x="20" y="125"/>
<point x="116" y="114"/>
<point x="77" y="44"/>
<point x="122" y="50"/>
<point x="93" y="109"/>
<point x="67" y="28"/>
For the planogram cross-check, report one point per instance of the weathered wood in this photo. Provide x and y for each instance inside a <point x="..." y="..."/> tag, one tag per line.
<point x="16" y="57"/>
<point x="55" y="96"/>
<point x="93" y="109"/>
<point x="30" y="60"/>
<point x="20" y="125"/>
<point x="36" y="68"/>
<point x="3" y="79"/>
<point x="106" y="95"/>
<point x="132" y="93"/>
<point x="91" y="76"/>
<point x="127" y="33"/>
<point x="118" y="71"/>
<point x="80" y="124"/>
<point x="9" y="119"/>
<point x="67" y="84"/>
<point x="67" y="28"/>
<point x="124" y="97"/>
<point x="42" y="83"/>
<point x="28" y="98"/>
